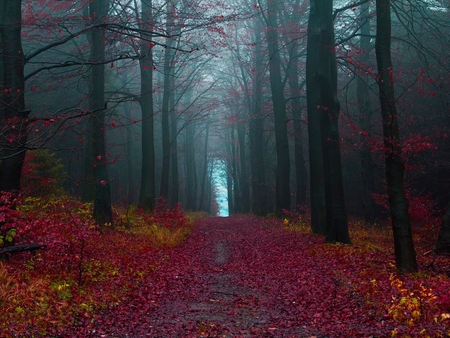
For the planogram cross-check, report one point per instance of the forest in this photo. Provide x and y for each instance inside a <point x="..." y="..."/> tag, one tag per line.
<point x="128" y="127"/>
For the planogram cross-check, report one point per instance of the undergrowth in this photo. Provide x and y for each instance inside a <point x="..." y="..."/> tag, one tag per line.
<point x="83" y="268"/>
<point x="418" y="303"/>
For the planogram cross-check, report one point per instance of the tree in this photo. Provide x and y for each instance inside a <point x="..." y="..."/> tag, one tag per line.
<point x="296" y="107"/>
<point x="403" y="242"/>
<point x="148" y="185"/>
<point x="283" y="194"/>
<point x="168" y="89"/>
<point x="256" y="128"/>
<point x="316" y="169"/>
<point x="323" y="86"/>
<point x="98" y="10"/>
<point x="365" y="115"/>
<point x="13" y="113"/>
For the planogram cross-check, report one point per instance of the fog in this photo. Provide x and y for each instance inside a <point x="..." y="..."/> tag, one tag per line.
<point x="204" y="104"/>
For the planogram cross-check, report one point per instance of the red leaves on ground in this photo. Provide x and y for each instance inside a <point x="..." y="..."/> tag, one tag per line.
<point x="247" y="276"/>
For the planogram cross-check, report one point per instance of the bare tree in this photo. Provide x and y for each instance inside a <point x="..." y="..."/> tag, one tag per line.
<point x="403" y="242"/>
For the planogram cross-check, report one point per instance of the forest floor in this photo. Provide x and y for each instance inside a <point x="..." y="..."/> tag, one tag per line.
<point x="244" y="276"/>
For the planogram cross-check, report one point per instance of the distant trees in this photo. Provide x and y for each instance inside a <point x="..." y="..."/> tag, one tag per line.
<point x="277" y="99"/>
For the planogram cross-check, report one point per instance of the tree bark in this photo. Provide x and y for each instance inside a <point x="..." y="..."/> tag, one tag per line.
<point x="243" y="175"/>
<point x="336" y="227"/>
<point x="316" y="169"/>
<point x="102" y="200"/>
<point x="405" y="255"/>
<point x="283" y="194"/>
<point x="174" y="146"/>
<point x="256" y="130"/>
<point x="368" y="206"/>
<point x="191" y="175"/>
<point x="13" y="112"/>
<point x="203" y="193"/>
<point x="323" y="109"/>
<point x="168" y="89"/>
<point x="300" y="167"/>
<point x="231" y="209"/>
<point x="148" y="184"/>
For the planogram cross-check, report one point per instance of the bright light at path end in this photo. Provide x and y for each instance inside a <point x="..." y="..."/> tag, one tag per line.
<point x="220" y="183"/>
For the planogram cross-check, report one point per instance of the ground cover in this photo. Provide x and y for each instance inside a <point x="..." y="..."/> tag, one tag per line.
<point x="239" y="276"/>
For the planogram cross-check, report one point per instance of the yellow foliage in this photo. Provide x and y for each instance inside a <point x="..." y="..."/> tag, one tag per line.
<point x="161" y="237"/>
<point x="408" y="308"/>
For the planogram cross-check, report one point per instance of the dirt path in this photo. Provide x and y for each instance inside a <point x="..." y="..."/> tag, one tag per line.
<point x="234" y="277"/>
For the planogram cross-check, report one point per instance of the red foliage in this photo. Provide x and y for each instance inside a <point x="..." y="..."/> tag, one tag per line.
<point x="247" y="276"/>
<point x="169" y="218"/>
<point x="422" y="208"/>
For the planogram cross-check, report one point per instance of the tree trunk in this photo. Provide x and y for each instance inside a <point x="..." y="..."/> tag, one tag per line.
<point x="283" y="194"/>
<point x="443" y="241"/>
<point x="88" y="188"/>
<point x="365" y="113"/>
<point x="165" y="111"/>
<point x="131" y="193"/>
<point x="300" y="167"/>
<point x="316" y="169"/>
<point x="102" y="200"/>
<point x="243" y="175"/>
<point x="256" y="130"/>
<point x="336" y="227"/>
<point x="231" y="209"/>
<point x="12" y="107"/>
<point x="405" y="255"/>
<point x="203" y="203"/>
<point x="174" y="147"/>
<point x="148" y="188"/>
<point x="191" y="175"/>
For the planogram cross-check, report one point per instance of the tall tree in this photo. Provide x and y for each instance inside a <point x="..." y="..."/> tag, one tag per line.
<point x="191" y="171"/>
<point x="283" y="194"/>
<point x="13" y="112"/>
<point x="243" y="175"/>
<point x="296" y="106"/>
<point x="316" y="169"/>
<point x="174" y="197"/>
<point x="256" y="128"/>
<point x="365" y="117"/>
<point x="147" y="192"/>
<point x="323" y="85"/>
<point x="98" y="11"/>
<point x="168" y="89"/>
<point x="405" y="255"/>
<point x="204" y="203"/>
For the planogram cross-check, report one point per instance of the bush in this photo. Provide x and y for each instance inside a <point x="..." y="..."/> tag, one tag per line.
<point x="42" y="174"/>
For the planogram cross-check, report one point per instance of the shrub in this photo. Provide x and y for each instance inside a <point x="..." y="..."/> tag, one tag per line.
<point x="42" y="174"/>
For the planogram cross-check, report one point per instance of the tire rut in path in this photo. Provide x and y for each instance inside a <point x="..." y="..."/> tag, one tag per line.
<point x="212" y="304"/>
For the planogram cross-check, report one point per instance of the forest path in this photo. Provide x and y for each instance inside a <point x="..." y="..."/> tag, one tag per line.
<point x="239" y="276"/>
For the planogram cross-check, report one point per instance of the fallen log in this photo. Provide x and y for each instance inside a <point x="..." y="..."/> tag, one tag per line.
<point x="7" y="251"/>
